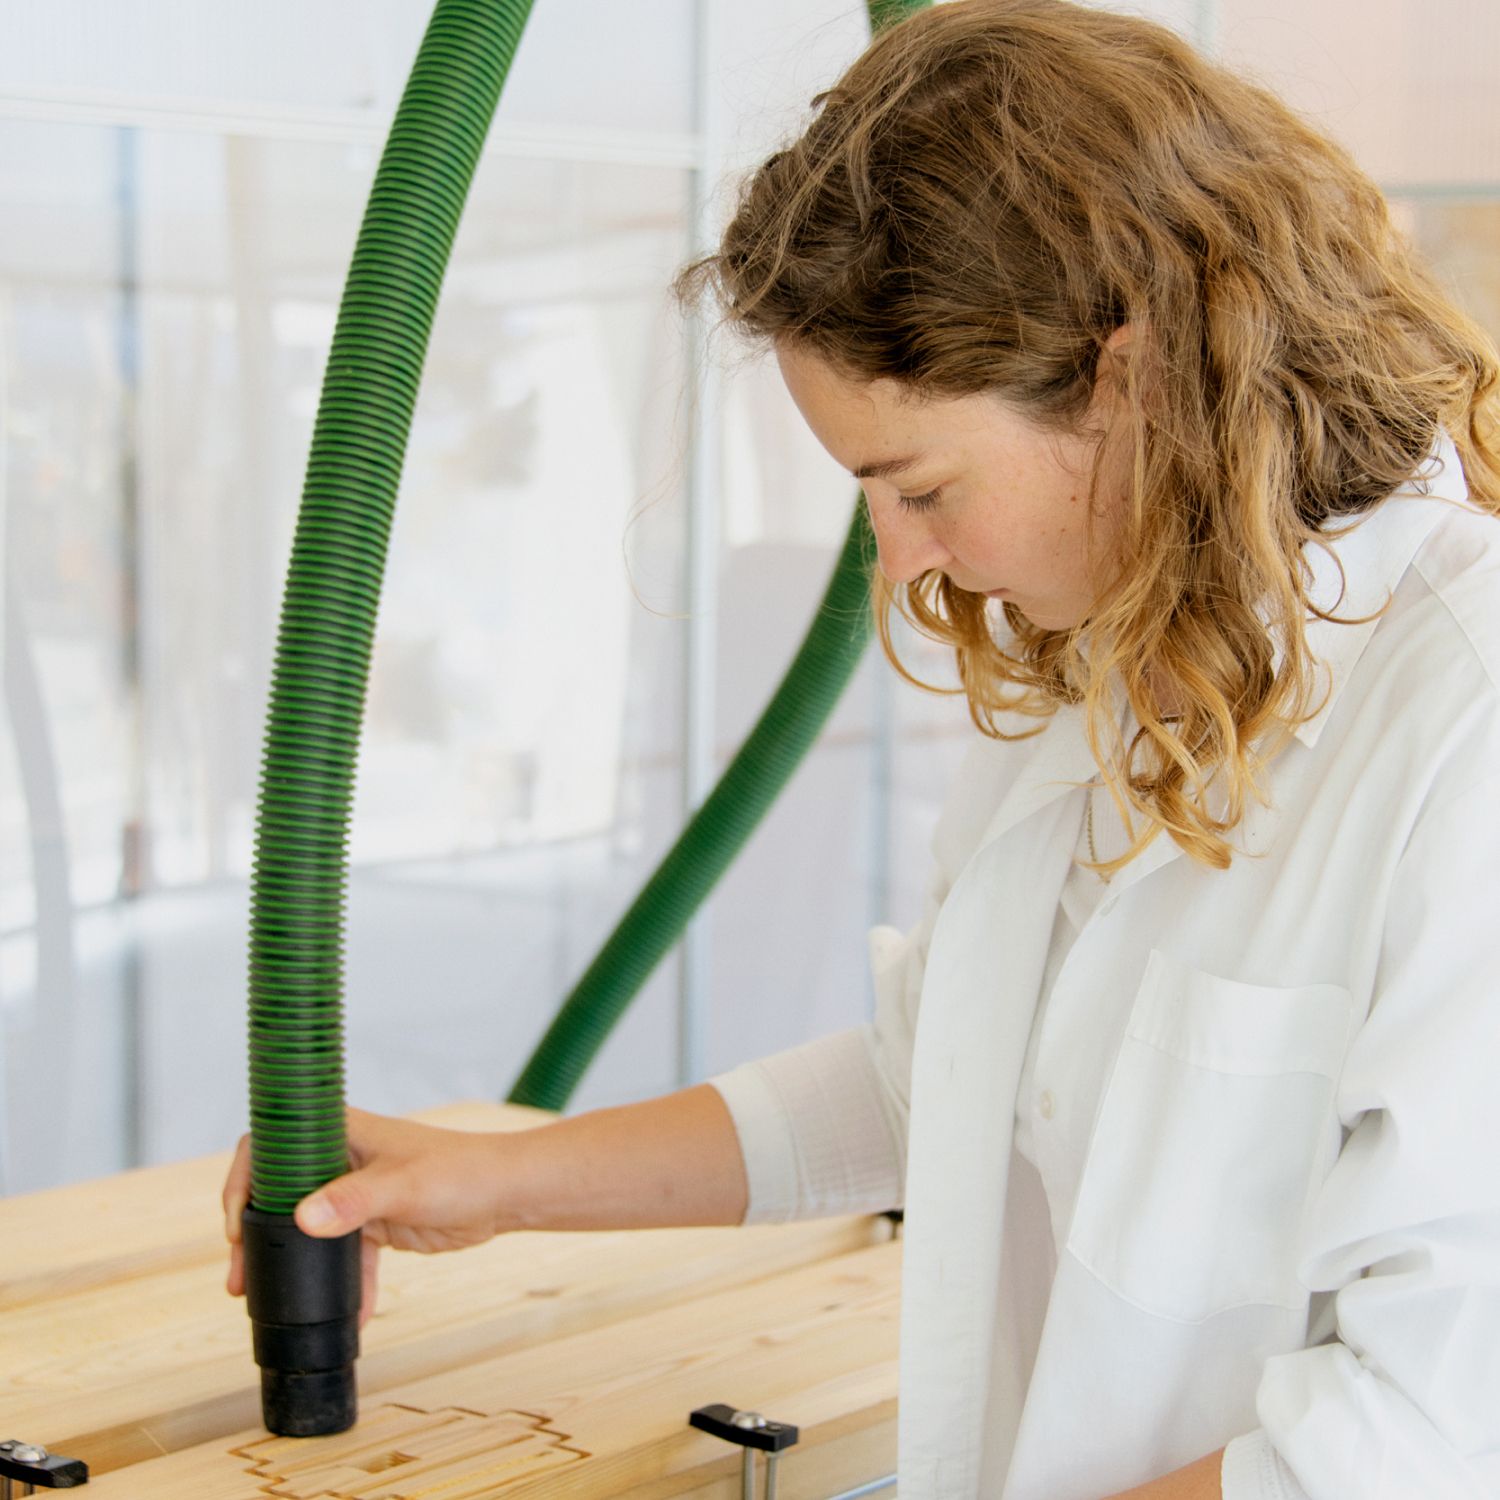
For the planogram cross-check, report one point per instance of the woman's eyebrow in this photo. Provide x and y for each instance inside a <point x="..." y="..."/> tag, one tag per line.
<point x="886" y="467"/>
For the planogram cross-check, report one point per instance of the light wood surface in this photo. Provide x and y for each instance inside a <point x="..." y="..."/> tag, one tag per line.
<point x="109" y="1230"/>
<point x="556" y="1364"/>
<point x="600" y="1413"/>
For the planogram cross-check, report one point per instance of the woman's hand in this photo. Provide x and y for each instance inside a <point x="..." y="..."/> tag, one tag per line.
<point x="415" y="1187"/>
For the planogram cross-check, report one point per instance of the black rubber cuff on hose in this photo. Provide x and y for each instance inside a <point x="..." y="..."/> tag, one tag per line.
<point x="304" y="1296"/>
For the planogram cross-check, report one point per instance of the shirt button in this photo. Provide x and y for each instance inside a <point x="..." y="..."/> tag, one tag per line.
<point x="1046" y="1106"/>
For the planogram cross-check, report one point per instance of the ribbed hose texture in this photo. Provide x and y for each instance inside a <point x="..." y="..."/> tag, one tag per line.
<point x="885" y="13"/>
<point x="298" y="886"/>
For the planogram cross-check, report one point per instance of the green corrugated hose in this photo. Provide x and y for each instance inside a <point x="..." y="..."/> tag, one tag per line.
<point x="333" y="592"/>
<point x="327" y="629"/>
<point x="885" y="13"/>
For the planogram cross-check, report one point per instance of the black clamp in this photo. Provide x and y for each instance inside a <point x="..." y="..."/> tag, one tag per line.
<point x="34" y="1467"/>
<point x="751" y="1431"/>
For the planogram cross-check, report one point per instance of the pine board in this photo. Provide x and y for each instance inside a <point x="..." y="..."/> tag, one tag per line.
<point x="153" y="1219"/>
<point x="120" y="1346"/>
<point x="602" y="1413"/>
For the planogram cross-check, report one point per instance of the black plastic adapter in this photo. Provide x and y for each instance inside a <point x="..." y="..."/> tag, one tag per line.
<point x="303" y="1296"/>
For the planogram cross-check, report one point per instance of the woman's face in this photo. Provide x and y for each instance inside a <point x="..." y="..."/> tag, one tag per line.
<point x="971" y="487"/>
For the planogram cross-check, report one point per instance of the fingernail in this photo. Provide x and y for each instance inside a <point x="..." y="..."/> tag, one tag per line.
<point x="316" y="1212"/>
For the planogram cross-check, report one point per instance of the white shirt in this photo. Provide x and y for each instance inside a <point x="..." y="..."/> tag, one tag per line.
<point x="1257" y="1102"/>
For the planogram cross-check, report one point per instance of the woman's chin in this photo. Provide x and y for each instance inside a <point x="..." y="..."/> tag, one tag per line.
<point x="1042" y="616"/>
<point x="1045" y="619"/>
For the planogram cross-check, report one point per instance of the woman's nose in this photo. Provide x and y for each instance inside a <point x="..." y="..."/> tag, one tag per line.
<point x="906" y="543"/>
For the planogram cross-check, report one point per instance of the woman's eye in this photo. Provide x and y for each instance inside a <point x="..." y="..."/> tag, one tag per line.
<point x="918" y="502"/>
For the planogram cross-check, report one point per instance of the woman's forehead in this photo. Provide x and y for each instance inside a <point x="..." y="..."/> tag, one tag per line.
<point x="878" y="429"/>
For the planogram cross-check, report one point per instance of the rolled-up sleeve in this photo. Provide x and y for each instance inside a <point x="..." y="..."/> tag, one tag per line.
<point x="1404" y="1400"/>
<point x="823" y="1126"/>
<point x="813" y="1134"/>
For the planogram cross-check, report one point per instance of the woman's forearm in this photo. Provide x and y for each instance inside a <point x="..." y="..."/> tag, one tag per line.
<point x="1200" y="1480"/>
<point x="673" y="1160"/>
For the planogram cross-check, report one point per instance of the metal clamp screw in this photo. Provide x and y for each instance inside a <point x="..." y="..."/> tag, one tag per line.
<point x="30" y="1465"/>
<point x="751" y="1431"/>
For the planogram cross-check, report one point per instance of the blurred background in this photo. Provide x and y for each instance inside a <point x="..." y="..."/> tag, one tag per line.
<point x="594" y="582"/>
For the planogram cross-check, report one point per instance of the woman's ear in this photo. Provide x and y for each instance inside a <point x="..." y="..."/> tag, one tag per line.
<point x="1115" y="355"/>
<point x="1116" y="351"/>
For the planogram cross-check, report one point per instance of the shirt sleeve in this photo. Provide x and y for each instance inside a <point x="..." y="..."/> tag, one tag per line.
<point x="1254" y="1470"/>
<point x="812" y="1132"/>
<point x="823" y="1126"/>
<point x="1404" y="1399"/>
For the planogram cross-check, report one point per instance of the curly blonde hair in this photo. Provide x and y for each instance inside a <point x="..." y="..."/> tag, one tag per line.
<point x="987" y="194"/>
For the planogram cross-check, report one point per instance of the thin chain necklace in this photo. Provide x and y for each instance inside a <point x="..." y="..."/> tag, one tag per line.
<point x="1089" y="829"/>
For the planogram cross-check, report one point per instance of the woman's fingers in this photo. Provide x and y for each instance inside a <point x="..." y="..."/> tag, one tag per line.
<point x="237" y="1190"/>
<point x="414" y="1186"/>
<point x="369" y="1266"/>
<point x="236" y="1194"/>
<point x="338" y="1207"/>
<point x="364" y="1133"/>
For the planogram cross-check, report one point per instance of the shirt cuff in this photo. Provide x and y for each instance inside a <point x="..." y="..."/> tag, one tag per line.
<point x="1254" y="1470"/>
<point x="765" y="1143"/>
<point x="814" y="1131"/>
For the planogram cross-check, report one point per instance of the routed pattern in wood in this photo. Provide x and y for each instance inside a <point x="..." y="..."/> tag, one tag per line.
<point x="404" y="1453"/>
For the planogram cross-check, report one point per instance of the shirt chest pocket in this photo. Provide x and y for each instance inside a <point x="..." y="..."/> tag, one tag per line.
<point x="1215" y="1125"/>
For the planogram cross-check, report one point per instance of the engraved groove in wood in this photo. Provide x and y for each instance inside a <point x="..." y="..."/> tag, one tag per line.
<point x="404" y="1453"/>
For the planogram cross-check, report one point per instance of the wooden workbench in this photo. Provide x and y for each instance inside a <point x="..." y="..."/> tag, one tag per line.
<point x="537" y="1365"/>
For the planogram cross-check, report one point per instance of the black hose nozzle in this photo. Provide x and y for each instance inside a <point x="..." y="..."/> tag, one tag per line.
<point x="303" y="1296"/>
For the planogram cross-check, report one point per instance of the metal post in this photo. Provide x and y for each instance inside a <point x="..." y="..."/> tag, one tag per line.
<point x="135" y="857"/>
<point x="702" y="553"/>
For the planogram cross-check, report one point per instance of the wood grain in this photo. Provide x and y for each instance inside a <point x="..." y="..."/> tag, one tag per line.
<point x="603" y="1412"/>
<point x="120" y="1345"/>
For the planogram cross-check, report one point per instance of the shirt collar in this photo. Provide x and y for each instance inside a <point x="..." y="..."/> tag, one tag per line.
<point x="1374" y="552"/>
<point x="1374" y="555"/>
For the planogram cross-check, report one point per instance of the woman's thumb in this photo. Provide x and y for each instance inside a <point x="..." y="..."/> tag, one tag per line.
<point x="338" y="1207"/>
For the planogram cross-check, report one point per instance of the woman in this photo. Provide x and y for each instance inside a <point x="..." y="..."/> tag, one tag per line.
<point x="1162" y="431"/>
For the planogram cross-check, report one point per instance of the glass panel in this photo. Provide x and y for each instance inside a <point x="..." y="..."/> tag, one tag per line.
<point x="580" y="64"/>
<point x="520" y="770"/>
<point x="847" y="844"/>
<point x="511" y="663"/>
<point x="66" y="543"/>
<point x="69" y="744"/>
<point x="497" y="696"/>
